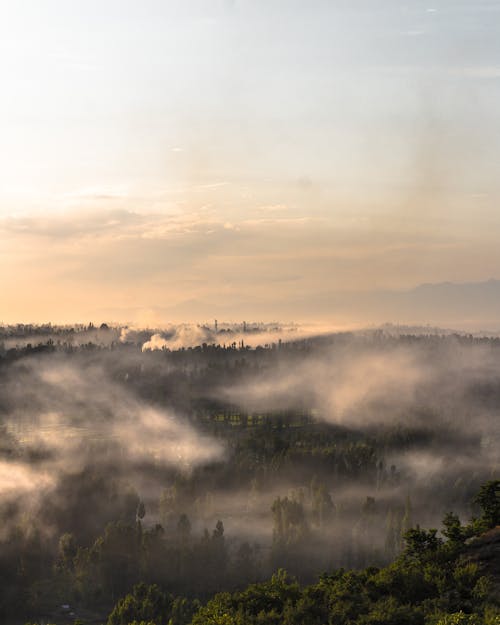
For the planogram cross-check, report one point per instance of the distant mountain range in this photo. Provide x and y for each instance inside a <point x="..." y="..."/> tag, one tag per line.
<point x="467" y="306"/>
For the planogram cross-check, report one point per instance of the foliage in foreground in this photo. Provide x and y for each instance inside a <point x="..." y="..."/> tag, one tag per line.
<point x="433" y="582"/>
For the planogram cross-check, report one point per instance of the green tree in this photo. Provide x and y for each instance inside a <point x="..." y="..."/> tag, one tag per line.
<point x="420" y="544"/>
<point x="144" y="603"/>
<point x="488" y="498"/>
<point x="453" y="530"/>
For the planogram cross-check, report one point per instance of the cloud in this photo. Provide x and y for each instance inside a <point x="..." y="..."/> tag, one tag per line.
<point x="185" y="335"/>
<point x="176" y="337"/>
<point x="198" y="264"/>
<point x="273" y="208"/>
<point x="17" y="478"/>
<point x="81" y="427"/>
<point x="59" y="406"/>
<point x="357" y="381"/>
<point x="76" y="226"/>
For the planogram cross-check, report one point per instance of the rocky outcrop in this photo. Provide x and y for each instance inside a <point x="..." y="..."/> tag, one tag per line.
<point x="485" y="552"/>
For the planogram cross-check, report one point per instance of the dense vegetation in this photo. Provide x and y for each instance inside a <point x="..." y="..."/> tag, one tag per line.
<point x="178" y="485"/>
<point x="434" y="581"/>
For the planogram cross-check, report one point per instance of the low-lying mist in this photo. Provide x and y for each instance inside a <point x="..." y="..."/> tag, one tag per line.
<point x="286" y="434"/>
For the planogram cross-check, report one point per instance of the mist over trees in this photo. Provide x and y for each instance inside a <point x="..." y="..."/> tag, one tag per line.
<point x="145" y="472"/>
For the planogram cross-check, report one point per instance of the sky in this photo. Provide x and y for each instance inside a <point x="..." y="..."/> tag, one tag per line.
<point x="244" y="159"/>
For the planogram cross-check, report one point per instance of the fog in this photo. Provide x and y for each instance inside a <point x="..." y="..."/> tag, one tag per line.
<point x="318" y="449"/>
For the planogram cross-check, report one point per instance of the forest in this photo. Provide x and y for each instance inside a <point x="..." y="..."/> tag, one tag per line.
<point x="248" y="473"/>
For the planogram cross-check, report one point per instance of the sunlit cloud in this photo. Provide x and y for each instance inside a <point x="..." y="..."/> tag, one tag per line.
<point x="196" y="264"/>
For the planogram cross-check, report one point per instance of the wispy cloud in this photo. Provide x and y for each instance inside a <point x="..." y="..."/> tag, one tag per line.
<point x="194" y="264"/>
